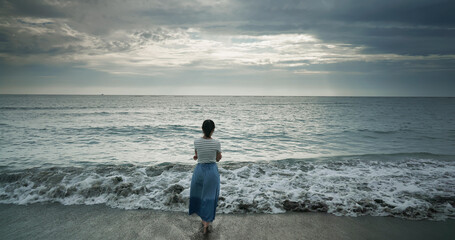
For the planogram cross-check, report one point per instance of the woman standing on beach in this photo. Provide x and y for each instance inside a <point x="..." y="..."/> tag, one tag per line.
<point x="205" y="183"/>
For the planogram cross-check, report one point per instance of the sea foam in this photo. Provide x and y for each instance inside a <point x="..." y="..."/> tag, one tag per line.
<point x="412" y="188"/>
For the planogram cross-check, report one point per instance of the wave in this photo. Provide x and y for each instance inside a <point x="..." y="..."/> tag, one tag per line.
<point x="401" y="130"/>
<point x="48" y="108"/>
<point x="133" y="130"/>
<point x="414" y="188"/>
<point x="78" y="114"/>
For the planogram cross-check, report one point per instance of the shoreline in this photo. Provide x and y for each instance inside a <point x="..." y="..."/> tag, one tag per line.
<point x="46" y="221"/>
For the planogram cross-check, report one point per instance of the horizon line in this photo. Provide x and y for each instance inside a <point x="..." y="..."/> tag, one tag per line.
<point x="240" y="95"/>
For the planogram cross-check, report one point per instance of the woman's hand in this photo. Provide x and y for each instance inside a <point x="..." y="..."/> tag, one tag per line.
<point x="218" y="156"/>
<point x="195" y="157"/>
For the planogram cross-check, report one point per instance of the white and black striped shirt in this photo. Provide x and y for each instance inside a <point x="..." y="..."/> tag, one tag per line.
<point x="207" y="149"/>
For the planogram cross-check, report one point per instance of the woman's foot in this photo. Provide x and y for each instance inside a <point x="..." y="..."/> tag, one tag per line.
<point x="206" y="227"/>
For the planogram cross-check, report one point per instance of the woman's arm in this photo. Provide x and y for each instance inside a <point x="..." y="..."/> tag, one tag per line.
<point x="218" y="156"/>
<point x="195" y="155"/>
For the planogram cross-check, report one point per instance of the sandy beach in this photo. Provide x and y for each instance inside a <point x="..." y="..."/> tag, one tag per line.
<point x="55" y="221"/>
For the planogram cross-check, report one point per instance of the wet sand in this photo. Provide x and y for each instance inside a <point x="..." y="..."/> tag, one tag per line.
<point x="55" y="221"/>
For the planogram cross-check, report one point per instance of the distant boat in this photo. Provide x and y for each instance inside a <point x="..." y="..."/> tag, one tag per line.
<point x="102" y="94"/>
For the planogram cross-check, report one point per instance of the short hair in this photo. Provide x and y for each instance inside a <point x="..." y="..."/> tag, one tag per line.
<point x="207" y="127"/>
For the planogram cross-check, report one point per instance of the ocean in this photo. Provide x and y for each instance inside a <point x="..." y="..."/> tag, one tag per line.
<point x="348" y="156"/>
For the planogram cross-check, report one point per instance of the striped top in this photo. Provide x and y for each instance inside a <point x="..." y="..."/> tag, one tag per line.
<point x="206" y="149"/>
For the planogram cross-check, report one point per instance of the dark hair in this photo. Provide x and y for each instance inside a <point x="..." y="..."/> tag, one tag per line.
<point x="207" y="127"/>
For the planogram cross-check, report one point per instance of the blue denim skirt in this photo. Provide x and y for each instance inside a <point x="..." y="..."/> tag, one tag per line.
<point x="204" y="191"/>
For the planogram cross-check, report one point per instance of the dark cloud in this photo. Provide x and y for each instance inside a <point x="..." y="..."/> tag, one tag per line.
<point x="30" y="8"/>
<point x="392" y="39"/>
<point x="414" y="12"/>
<point x="402" y="27"/>
<point x="413" y="27"/>
<point x="18" y="39"/>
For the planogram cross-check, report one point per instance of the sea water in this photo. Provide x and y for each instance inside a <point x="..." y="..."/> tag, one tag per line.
<point x="342" y="155"/>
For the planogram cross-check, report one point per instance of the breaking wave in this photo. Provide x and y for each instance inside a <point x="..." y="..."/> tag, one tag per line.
<point x="412" y="186"/>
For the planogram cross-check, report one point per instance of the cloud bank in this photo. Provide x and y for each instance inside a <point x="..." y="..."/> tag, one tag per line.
<point x="271" y="43"/>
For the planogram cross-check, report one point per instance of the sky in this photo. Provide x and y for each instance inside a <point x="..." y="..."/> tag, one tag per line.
<point x="228" y="47"/>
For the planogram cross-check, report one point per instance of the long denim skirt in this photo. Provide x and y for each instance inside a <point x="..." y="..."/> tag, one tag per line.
<point x="204" y="191"/>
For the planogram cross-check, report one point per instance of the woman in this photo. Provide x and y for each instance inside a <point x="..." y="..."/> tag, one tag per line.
<point x="205" y="183"/>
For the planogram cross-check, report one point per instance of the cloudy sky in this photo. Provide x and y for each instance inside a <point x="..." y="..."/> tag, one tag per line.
<point x="228" y="47"/>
